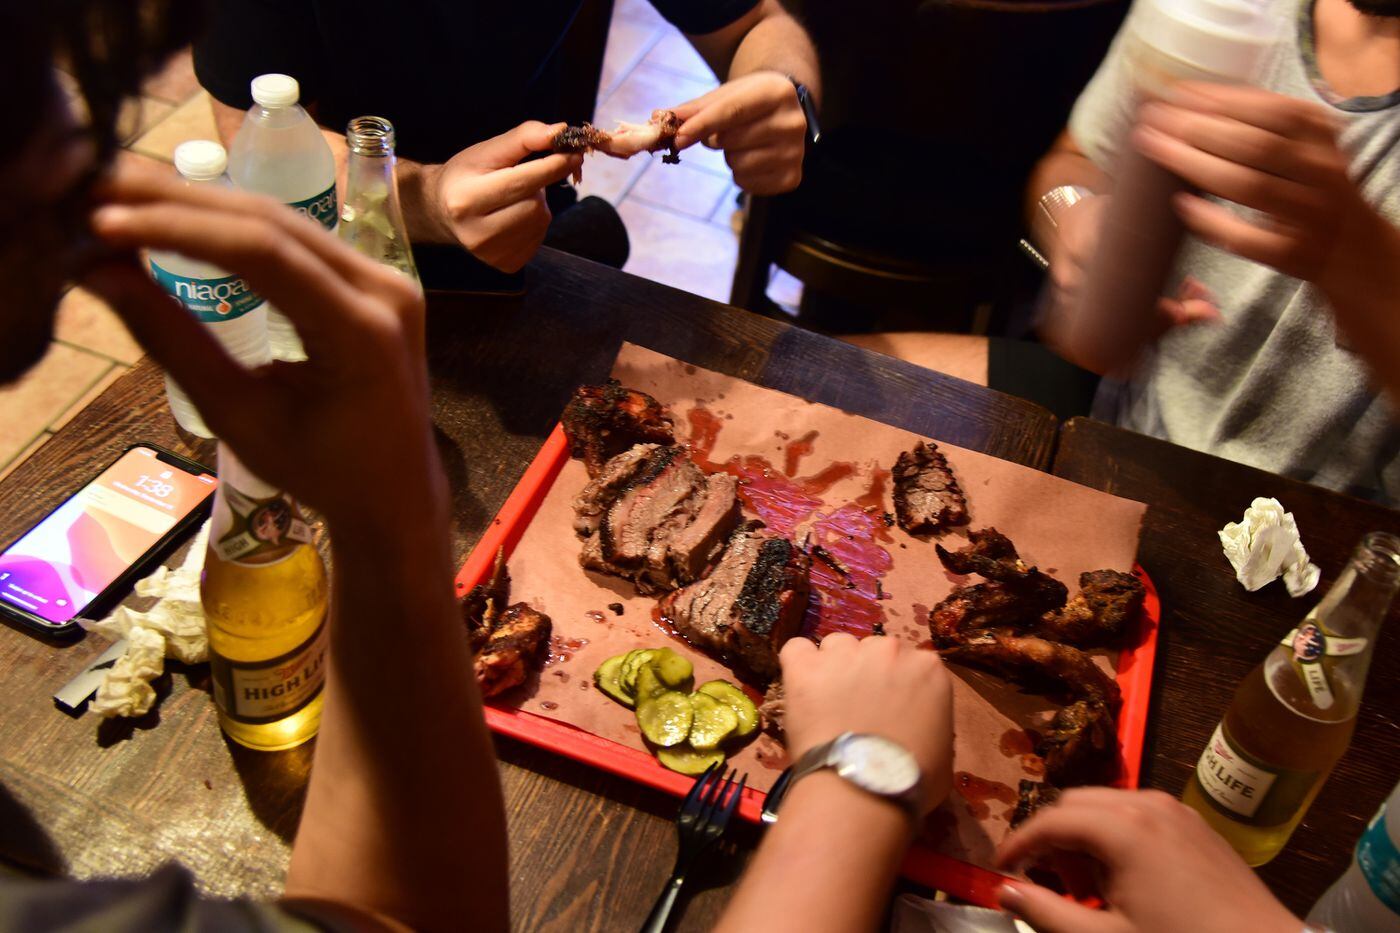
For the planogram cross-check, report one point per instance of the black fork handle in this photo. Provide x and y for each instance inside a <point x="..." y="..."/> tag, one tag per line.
<point x="661" y="910"/>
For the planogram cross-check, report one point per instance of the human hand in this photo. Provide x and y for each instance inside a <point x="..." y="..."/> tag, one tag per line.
<point x="759" y="124"/>
<point x="1275" y="154"/>
<point x="347" y="431"/>
<point x="492" y="202"/>
<point x="1164" y="869"/>
<point x="877" y="685"/>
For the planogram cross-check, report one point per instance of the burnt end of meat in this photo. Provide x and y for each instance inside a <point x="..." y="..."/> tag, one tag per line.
<point x="483" y="604"/>
<point x="581" y="138"/>
<point x="1033" y="796"/>
<point x="771" y="605"/>
<point x="1107" y="602"/>
<point x="602" y="421"/>
<point x="995" y="604"/>
<point x="989" y="553"/>
<point x="748" y="606"/>
<point x="516" y="647"/>
<point x="1081" y="745"/>
<point x="927" y="498"/>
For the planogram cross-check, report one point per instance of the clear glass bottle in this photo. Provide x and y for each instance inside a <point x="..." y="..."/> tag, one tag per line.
<point x="265" y="596"/>
<point x="371" y="220"/>
<point x="1292" y="717"/>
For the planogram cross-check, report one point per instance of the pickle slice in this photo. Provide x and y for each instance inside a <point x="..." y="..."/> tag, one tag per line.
<point x="737" y="700"/>
<point x="711" y="723"/>
<point x="648" y="684"/>
<point x="606" y="679"/>
<point x="687" y="760"/>
<point x="665" y="720"/>
<point x="631" y="664"/>
<point x="673" y="670"/>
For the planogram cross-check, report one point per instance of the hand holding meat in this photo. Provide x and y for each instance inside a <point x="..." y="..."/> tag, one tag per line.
<point x="758" y="122"/>
<point x="1164" y="869"/>
<point x="875" y="685"/>
<point x="492" y="201"/>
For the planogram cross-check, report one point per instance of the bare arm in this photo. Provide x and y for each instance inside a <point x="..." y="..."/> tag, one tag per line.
<point x="767" y="38"/>
<point x="1363" y="290"/>
<point x="1064" y="164"/>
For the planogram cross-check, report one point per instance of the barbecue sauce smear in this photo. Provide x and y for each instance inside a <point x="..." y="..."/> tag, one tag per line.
<point x="845" y="598"/>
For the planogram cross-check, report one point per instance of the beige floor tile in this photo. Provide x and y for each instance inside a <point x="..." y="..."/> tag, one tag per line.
<point x="6" y="468"/>
<point x="194" y="119"/>
<point x="681" y="252"/>
<point x="645" y="89"/>
<point x="681" y="187"/>
<point x="609" y="178"/>
<point x="175" y="83"/>
<point x="628" y="43"/>
<point x="85" y="321"/>
<point x="46" y="392"/>
<point x="101" y="385"/>
<point x="724" y="210"/>
<point x="675" y="53"/>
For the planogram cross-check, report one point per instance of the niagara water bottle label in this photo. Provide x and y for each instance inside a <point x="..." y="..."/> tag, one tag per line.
<point x="259" y="531"/>
<point x="209" y="300"/>
<point x="1310" y="643"/>
<point x="320" y="208"/>
<point x="257" y="692"/>
<point x="1380" y="862"/>
<point x="1232" y="780"/>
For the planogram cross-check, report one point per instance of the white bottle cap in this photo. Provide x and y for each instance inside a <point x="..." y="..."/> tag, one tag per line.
<point x="276" y="91"/>
<point x="200" y="159"/>
<point x="1226" y="39"/>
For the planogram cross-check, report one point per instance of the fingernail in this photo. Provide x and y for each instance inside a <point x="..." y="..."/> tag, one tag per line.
<point x="1010" y="896"/>
<point x="110" y="215"/>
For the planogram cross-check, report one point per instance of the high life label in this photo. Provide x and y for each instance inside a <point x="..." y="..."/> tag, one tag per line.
<point x="1309" y="643"/>
<point x="257" y="531"/>
<point x="1233" y="781"/>
<point x="266" y="691"/>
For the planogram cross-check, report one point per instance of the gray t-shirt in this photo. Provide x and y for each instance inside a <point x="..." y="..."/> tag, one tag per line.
<point x="1268" y="386"/>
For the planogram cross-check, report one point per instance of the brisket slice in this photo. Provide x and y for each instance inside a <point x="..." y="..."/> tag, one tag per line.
<point x="653" y="517"/>
<point x="748" y="606"/>
<point x="927" y="498"/>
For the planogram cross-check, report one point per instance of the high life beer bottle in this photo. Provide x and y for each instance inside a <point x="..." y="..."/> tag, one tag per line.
<point x="371" y="220"/>
<point x="264" y="595"/>
<point x="1293" y="716"/>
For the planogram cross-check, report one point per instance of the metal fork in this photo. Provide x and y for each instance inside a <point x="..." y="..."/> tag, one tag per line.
<point x="703" y="818"/>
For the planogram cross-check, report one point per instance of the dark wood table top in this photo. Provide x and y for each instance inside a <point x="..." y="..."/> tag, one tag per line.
<point x="1214" y="631"/>
<point x="591" y="850"/>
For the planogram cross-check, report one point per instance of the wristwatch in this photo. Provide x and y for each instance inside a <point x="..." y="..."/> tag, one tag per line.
<point x="1059" y="199"/>
<point x="875" y="764"/>
<point x="809" y="110"/>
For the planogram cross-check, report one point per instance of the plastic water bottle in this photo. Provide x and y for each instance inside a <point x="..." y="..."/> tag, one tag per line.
<point x="281" y="153"/>
<point x="1167" y="41"/>
<point x="1367" y="896"/>
<point x="232" y="311"/>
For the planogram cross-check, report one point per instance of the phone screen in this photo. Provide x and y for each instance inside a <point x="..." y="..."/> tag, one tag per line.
<point x="61" y="565"/>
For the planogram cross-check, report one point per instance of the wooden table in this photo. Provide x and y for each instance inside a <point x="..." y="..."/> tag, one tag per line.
<point x="1214" y="632"/>
<point x="591" y="851"/>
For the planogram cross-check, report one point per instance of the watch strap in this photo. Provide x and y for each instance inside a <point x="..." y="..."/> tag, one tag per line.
<point x="809" y="110"/>
<point x="1060" y="199"/>
<point x="820" y="758"/>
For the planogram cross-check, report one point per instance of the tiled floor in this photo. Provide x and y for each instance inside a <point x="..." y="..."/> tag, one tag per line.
<point x="679" y="216"/>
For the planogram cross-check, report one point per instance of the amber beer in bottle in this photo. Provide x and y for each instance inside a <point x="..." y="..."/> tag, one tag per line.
<point x="1293" y="716"/>
<point x="264" y="594"/>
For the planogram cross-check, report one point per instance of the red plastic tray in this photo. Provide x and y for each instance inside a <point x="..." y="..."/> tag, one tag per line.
<point x="923" y="865"/>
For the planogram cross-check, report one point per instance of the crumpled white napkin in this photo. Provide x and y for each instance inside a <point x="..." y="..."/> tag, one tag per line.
<point x="1265" y="545"/>
<point x="174" y="628"/>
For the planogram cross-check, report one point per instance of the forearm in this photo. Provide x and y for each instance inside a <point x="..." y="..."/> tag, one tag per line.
<point x="827" y="864"/>
<point x="417" y="181"/>
<point x="404" y="815"/>
<point x="767" y="39"/>
<point x="1363" y="290"/>
<point x="1064" y="164"/>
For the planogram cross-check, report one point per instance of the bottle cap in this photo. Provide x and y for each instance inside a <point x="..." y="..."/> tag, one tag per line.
<point x="275" y="91"/>
<point x="1226" y="39"/>
<point x="200" y="159"/>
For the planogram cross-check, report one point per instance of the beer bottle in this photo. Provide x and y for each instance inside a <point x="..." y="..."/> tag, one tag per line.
<point x="371" y="220"/>
<point x="264" y="595"/>
<point x="1292" y="717"/>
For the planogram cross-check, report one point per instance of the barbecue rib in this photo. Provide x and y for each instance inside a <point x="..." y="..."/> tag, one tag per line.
<point x="516" y="646"/>
<point x="483" y="604"/>
<point x="1034" y="663"/>
<point x="1106" y="602"/>
<point x="1080" y="745"/>
<point x="603" y="421"/>
<point x="749" y="605"/>
<point x="994" y="604"/>
<point x="653" y="517"/>
<point x="627" y="140"/>
<point x="927" y="498"/>
<point x="1033" y="796"/>
<point x="988" y="553"/>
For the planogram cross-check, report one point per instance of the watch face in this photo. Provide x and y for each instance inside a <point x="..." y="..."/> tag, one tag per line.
<point x="877" y="764"/>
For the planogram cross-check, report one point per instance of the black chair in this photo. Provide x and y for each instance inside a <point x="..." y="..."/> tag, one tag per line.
<point x="933" y="115"/>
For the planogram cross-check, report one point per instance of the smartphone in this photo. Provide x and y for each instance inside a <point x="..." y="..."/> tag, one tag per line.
<point x="84" y="555"/>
